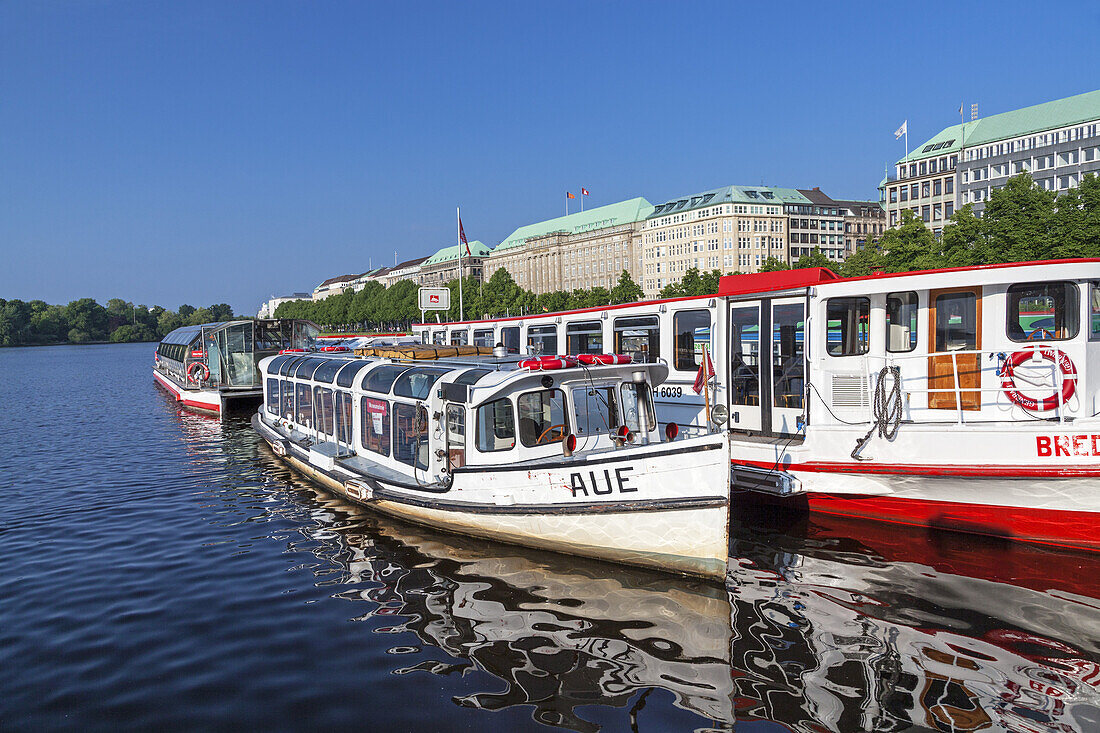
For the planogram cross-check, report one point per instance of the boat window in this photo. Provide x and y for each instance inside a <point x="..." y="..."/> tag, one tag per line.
<point x="640" y="337"/>
<point x="584" y="338"/>
<point x="901" y="321"/>
<point x="692" y="330"/>
<point x="439" y="338"/>
<point x="1094" y="312"/>
<point x="382" y="378"/>
<point x="272" y="396"/>
<point x="509" y="336"/>
<point x="305" y="368"/>
<point x="278" y="361"/>
<point x="327" y="370"/>
<point x="425" y="337"/>
<point x="344" y="419"/>
<point x="458" y="338"/>
<point x="287" y="406"/>
<point x="956" y="322"/>
<point x="636" y="396"/>
<point x="417" y="382"/>
<point x="376" y="425"/>
<point x="304" y="413"/>
<point x="410" y="434"/>
<point x="542" y="417"/>
<point x="745" y="355"/>
<point x="287" y="367"/>
<point x="496" y="426"/>
<point x="346" y="377"/>
<point x="788" y="331"/>
<point x="323" y="410"/>
<point x="470" y="377"/>
<point x="1043" y="311"/>
<point x="456" y="436"/>
<point x="847" y="321"/>
<point x="542" y="339"/>
<point x="596" y="410"/>
<point x="484" y="337"/>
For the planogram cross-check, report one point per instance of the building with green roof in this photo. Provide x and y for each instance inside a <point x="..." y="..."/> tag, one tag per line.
<point x="1055" y="142"/>
<point x="443" y="266"/>
<point x="584" y="249"/>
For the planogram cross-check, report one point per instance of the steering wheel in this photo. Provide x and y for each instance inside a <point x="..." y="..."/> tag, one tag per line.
<point x="1040" y="331"/>
<point x="560" y="428"/>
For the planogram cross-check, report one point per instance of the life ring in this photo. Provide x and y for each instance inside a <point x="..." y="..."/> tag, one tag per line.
<point x="196" y="369"/>
<point x="600" y="359"/>
<point x="547" y="363"/>
<point x="292" y="351"/>
<point x="1056" y="356"/>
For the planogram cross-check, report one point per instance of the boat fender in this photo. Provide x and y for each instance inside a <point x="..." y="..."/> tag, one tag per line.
<point x="1059" y="358"/>
<point x="603" y="359"/>
<point x="358" y="490"/>
<point x="198" y="373"/>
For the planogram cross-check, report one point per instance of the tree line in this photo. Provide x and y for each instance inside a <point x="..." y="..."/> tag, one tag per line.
<point x="85" y="321"/>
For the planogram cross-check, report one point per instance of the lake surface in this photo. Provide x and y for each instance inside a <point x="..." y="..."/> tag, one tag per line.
<point x="162" y="570"/>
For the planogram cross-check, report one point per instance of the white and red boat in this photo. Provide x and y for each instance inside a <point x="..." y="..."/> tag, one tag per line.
<point x="959" y="398"/>
<point x="212" y="367"/>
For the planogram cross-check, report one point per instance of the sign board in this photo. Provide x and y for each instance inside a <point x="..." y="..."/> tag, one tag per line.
<point x="435" y="299"/>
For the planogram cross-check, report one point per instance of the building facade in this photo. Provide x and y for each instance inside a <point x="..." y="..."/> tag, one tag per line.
<point x="407" y="270"/>
<point x="815" y="222"/>
<point x="334" y="285"/>
<point x="730" y="229"/>
<point x="581" y="250"/>
<point x="864" y="221"/>
<point x="1055" y="142"/>
<point x="443" y="266"/>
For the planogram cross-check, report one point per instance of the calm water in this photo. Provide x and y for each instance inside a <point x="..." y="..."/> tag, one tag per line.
<point x="161" y="569"/>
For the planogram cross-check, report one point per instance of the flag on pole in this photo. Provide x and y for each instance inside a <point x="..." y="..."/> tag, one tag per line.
<point x="706" y="371"/>
<point x="584" y="192"/>
<point x="462" y="237"/>
<point x="961" y="109"/>
<point x="901" y="130"/>
<point x="569" y="195"/>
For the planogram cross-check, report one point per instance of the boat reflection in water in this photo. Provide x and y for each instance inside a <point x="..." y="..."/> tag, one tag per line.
<point x="814" y="630"/>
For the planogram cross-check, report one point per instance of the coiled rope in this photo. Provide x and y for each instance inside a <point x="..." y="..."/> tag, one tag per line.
<point x="886" y="411"/>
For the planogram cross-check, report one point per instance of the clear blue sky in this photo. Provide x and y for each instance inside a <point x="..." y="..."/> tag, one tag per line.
<point x="169" y="152"/>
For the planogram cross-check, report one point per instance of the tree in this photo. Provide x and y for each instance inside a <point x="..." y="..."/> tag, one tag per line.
<point x="866" y="260"/>
<point x="1019" y="220"/>
<point x="815" y="259"/>
<point x="185" y="311"/>
<point x="221" y="312"/>
<point x="625" y="291"/>
<point x="88" y="318"/>
<point x="910" y="246"/>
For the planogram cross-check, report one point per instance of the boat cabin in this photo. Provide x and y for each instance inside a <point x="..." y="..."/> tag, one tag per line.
<point x="428" y="419"/>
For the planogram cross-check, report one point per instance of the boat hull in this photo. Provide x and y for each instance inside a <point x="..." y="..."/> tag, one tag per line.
<point x="202" y="400"/>
<point x="674" y="519"/>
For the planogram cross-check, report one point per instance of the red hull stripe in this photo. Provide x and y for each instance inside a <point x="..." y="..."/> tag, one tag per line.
<point x="179" y="398"/>
<point x="1046" y="526"/>
<point x="925" y="469"/>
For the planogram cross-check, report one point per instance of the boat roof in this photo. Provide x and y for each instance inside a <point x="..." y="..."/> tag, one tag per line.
<point x="187" y="334"/>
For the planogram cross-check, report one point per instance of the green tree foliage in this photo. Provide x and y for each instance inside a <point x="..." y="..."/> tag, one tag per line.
<point x="815" y="259"/>
<point x="693" y="283"/>
<point x="625" y="291"/>
<point x="773" y="264"/>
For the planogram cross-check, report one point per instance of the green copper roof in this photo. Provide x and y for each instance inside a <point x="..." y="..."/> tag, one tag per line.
<point x="477" y="249"/>
<point x="731" y="195"/>
<point x="1047" y="116"/>
<point x="624" y="212"/>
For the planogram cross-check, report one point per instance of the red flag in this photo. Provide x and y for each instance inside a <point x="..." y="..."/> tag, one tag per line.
<point x="584" y="192"/>
<point x="462" y="237"/>
<point x="706" y="371"/>
<point x="569" y="195"/>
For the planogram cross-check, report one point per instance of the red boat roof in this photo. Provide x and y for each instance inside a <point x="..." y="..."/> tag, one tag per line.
<point x="759" y="282"/>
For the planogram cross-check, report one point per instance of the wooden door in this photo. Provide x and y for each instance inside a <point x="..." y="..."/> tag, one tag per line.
<point x="954" y="324"/>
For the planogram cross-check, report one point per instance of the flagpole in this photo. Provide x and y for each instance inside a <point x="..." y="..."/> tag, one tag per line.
<point x="458" y="224"/>
<point x="582" y="199"/>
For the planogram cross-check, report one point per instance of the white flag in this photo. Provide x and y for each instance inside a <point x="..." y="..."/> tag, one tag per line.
<point x="901" y="130"/>
<point x="961" y="109"/>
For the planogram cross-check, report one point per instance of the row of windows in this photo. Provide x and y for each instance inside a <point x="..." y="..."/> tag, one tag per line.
<point x="638" y="336"/>
<point x="176" y="352"/>
<point x="927" y="167"/>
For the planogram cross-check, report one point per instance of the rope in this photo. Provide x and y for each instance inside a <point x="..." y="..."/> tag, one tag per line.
<point x="886" y="410"/>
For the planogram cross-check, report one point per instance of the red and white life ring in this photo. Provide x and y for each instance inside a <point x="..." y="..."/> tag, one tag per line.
<point x="292" y="351"/>
<point x="1059" y="358"/>
<point x="601" y="359"/>
<point x="196" y="369"/>
<point x="546" y="363"/>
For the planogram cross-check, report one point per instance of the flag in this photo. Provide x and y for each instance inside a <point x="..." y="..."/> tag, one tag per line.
<point x="462" y="238"/>
<point x="569" y="195"/>
<point x="960" y="109"/>
<point x="706" y="371"/>
<point x="584" y="192"/>
<point x="901" y="130"/>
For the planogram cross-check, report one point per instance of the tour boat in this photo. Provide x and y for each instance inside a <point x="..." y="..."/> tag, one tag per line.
<point x="212" y="367"/>
<point x="546" y="452"/>
<point x="964" y="398"/>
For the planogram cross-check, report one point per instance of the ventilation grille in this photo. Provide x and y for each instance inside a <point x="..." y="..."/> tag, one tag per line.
<point x="850" y="391"/>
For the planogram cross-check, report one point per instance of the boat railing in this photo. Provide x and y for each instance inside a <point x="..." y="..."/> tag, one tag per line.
<point x="958" y="391"/>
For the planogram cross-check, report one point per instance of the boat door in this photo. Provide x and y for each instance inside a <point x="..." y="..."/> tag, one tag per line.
<point x="744" y="366"/>
<point x="954" y="318"/>
<point x="788" y="365"/>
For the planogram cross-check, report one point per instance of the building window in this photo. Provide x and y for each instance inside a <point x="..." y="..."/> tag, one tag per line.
<point x="926" y="213"/>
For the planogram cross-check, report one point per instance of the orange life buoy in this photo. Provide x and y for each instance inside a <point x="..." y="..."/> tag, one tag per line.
<point x="1059" y="358"/>
<point x="599" y="359"/>
<point x="545" y="363"/>
<point x="196" y="369"/>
